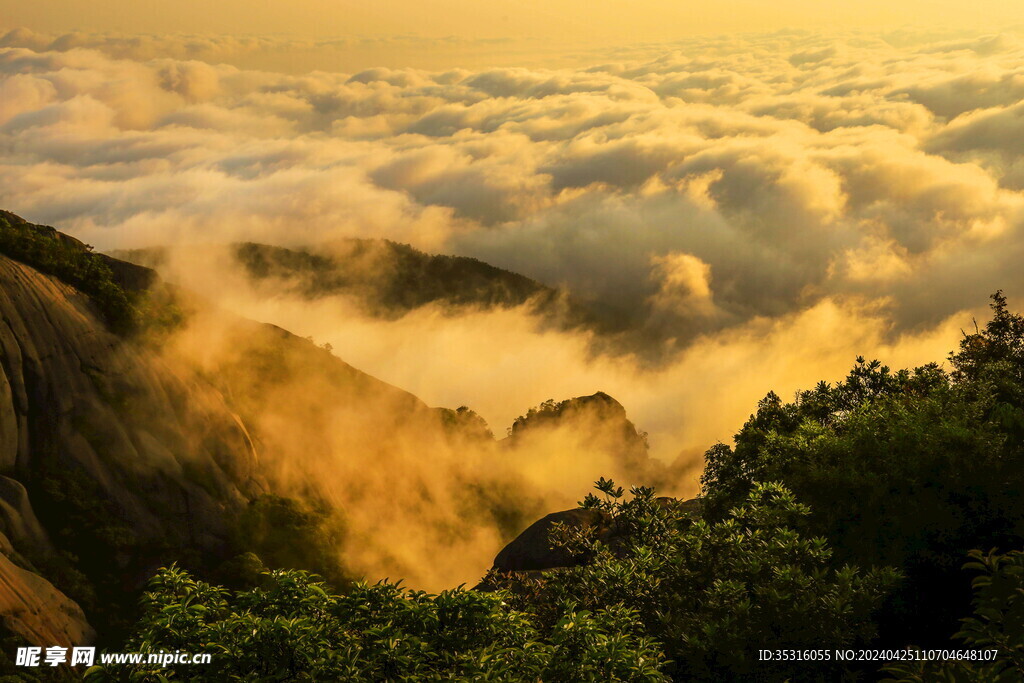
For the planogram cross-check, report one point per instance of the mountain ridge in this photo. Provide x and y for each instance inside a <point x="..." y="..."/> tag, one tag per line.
<point x="388" y="279"/>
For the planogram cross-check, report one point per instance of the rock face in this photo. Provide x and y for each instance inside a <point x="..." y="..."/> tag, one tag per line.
<point x="104" y="446"/>
<point x="75" y="399"/>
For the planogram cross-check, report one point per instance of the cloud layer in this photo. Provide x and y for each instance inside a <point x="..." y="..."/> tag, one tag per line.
<point x="719" y="191"/>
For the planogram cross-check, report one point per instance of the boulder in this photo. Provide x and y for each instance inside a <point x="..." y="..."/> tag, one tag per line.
<point x="532" y="549"/>
<point x="19" y="521"/>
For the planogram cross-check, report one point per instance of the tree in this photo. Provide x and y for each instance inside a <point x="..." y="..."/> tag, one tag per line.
<point x="911" y="468"/>
<point x="996" y="627"/>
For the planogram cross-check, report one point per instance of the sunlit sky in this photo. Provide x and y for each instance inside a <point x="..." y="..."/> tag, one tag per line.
<point x="571" y="19"/>
<point x="470" y="27"/>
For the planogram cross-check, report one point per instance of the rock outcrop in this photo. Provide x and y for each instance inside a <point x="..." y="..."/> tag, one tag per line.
<point x="18" y="519"/>
<point x="596" y="424"/>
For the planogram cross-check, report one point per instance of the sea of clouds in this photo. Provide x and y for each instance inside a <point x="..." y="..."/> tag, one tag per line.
<point x="768" y="206"/>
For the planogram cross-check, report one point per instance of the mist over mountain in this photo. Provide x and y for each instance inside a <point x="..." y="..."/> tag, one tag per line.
<point x="149" y="433"/>
<point x="797" y="198"/>
<point x="142" y="425"/>
<point x="387" y="280"/>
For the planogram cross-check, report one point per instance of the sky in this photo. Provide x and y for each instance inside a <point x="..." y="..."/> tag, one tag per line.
<point x="465" y="33"/>
<point x="642" y="20"/>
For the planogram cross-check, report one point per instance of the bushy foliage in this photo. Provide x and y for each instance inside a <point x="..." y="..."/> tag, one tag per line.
<point x="911" y="468"/>
<point x="74" y="263"/>
<point x="295" y="629"/>
<point x="998" y="619"/>
<point x="713" y="593"/>
<point x="665" y="587"/>
<point x="996" y="624"/>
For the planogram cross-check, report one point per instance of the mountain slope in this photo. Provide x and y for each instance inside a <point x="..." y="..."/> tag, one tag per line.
<point x="134" y="451"/>
<point x="389" y="276"/>
<point x="123" y="447"/>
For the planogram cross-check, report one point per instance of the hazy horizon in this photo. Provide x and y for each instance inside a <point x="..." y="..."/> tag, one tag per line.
<point x="450" y="33"/>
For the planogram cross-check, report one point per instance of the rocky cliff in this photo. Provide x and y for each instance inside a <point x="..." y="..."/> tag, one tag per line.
<point x="120" y="456"/>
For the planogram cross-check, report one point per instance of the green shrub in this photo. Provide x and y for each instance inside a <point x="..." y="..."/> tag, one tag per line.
<point x="997" y="624"/>
<point x="294" y="629"/>
<point x="713" y="593"/>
